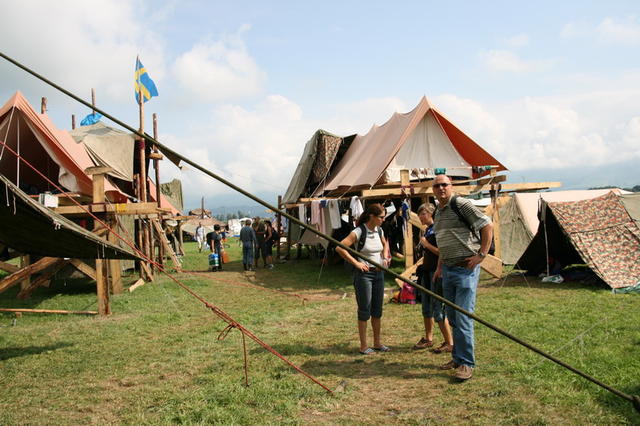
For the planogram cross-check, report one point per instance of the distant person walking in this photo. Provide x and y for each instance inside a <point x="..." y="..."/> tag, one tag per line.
<point x="200" y="236"/>
<point x="432" y="309"/>
<point x="214" y="239"/>
<point x="368" y="280"/>
<point x="248" y="240"/>
<point x="464" y="237"/>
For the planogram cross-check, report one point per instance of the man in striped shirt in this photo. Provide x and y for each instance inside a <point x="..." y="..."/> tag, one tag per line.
<point x="462" y="248"/>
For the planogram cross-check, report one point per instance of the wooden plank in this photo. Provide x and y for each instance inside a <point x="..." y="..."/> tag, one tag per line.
<point x="462" y="190"/>
<point x="84" y="268"/>
<point x="48" y="311"/>
<point x="119" y="208"/>
<point x="408" y="272"/>
<point x="429" y="182"/>
<point x="139" y="283"/>
<point x="146" y="270"/>
<point x="166" y="245"/>
<point x="98" y="170"/>
<point x="493" y="265"/>
<point x="11" y="280"/>
<point x="8" y="267"/>
<point x="43" y="280"/>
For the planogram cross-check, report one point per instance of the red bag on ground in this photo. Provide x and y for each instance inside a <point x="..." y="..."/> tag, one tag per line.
<point x="407" y="294"/>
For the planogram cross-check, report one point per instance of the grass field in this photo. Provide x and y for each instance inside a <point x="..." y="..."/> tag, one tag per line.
<point x="158" y="360"/>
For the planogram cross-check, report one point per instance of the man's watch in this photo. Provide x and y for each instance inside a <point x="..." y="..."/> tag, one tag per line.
<point x="481" y="254"/>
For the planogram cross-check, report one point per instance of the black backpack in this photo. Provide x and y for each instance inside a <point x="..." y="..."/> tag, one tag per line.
<point x="363" y="236"/>
<point x="454" y="206"/>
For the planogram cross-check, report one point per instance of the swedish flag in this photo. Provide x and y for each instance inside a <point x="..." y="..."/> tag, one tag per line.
<point x="143" y="83"/>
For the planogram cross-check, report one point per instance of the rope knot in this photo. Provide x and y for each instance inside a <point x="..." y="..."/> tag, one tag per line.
<point x="225" y="331"/>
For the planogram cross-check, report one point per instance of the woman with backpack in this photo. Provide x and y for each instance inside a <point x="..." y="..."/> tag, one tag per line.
<point x="368" y="280"/>
<point x="432" y="309"/>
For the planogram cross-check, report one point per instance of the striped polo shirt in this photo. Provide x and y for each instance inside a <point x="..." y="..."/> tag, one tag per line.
<point x="455" y="240"/>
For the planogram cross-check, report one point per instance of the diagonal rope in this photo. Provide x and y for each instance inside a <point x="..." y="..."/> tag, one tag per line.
<point x="633" y="399"/>
<point x="215" y="309"/>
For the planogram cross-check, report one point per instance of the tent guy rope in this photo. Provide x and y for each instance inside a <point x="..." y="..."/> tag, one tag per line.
<point x="635" y="400"/>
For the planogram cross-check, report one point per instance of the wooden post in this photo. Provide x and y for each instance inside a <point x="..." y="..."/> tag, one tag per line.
<point x="73" y="121"/>
<point x="180" y="238"/>
<point x="156" y="160"/>
<point x="25" y="260"/>
<point x="496" y="219"/>
<point x="43" y="105"/>
<point x="408" y="238"/>
<point x="144" y="228"/>
<point x="278" y="222"/>
<point x="115" y="268"/>
<point x="202" y="208"/>
<point x="93" y="100"/>
<point x="102" y="283"/>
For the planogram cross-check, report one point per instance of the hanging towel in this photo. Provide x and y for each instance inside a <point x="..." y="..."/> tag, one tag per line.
<point x="316" y="218"/>
<point x="356" y="207"/>
<point x="301" y="214"/>
<point x="334" y="213"/>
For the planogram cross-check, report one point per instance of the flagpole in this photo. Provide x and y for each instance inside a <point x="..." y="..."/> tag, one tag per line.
<point x="143" y="172"/>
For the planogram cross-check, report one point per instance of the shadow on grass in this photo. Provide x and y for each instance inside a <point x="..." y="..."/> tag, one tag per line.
<point x="16" y="351"/>
<point x="378" y="365"/>
<point x="523" y="281"/>
<point x="626" y="408"/>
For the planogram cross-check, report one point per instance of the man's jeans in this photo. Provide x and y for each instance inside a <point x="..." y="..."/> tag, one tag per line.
<point x="247" y="255"/>
<point x="460" y="285"/>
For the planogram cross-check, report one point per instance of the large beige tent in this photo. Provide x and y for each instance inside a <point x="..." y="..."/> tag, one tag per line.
<point x="421" y="140"/>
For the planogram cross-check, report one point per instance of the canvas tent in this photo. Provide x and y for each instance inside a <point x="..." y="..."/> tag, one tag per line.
<point x="599" y="232"/>
<point x="50" y="150"/>
<point x="519" y="218"/>
<point x="420" y="140"/>
<point x="319" y="155"/>
<point x="29" y="227"/>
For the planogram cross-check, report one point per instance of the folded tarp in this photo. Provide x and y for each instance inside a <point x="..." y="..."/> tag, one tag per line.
<point x="31" y="228"/>
<point x="108" y="147"/>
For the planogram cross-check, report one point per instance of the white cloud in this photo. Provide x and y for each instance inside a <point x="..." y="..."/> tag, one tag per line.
<point x="575" y="29"/>
<point x="619" y="31"/>
<point x="219" y="70"/>
<point x="85" y="45"/>
<point x="498" y="60"/>
<point x="518" y="40"/>
<point x="552" y="132"/>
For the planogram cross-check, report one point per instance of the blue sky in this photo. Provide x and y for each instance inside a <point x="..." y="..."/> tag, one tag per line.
<point x="541" y="85"/>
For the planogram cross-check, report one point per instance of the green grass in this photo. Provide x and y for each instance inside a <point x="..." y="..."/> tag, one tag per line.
<point x="158" y="360"/>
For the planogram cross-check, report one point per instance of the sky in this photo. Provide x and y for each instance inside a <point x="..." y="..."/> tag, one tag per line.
<point x="546" y="87"/>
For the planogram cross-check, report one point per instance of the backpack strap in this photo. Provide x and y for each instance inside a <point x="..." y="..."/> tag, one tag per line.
<point x="363" y="237"/>
<point x="454" y="206"/>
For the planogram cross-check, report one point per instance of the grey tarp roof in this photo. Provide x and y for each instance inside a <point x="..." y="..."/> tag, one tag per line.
<point x="29" y="227"/>
<point x="308" y="162"/>
<point x="173" y="192"/>
<point x="108" y="147"/>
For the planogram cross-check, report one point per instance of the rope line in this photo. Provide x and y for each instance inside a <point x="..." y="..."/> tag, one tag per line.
<point x="168" y="151"/>
<point x="216" y="310"/>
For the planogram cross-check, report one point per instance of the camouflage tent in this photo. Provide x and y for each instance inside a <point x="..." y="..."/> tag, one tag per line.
<point x="598" y="232"/>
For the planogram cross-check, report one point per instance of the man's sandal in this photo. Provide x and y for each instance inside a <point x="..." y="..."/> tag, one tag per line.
<point x="382" y="348"/>
<point x="367" y="351"/>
